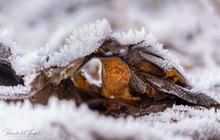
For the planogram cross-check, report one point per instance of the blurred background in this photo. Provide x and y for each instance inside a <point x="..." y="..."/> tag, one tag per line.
<point x="189" y="29"/>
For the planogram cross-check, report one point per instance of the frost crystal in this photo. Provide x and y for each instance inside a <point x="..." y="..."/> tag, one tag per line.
<point x="5" y="44"/>
<point x="63" y="120"/>
<point x="179" y="120"/>
<point x="141" y="38"/>
<point x="80" y="43"/>
<point x="132" y="37"/>
<point x="13" y="90"/>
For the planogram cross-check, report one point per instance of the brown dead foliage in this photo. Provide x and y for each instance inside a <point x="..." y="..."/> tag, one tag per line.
<point x="132" y="82"/>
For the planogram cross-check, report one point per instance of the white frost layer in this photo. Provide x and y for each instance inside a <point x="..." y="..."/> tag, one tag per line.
<point x="90" y="69"/>
<point x="199" y="123"/>
<point x="80" y="43"/>
<point x="63" y="120"/>
<point x="13" y="90"/>
<point x="148" y="40"/>
<point x="132" y="37"/>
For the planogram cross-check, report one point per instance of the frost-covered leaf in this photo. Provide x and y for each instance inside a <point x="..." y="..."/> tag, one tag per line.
<point x="195" y="42"/>
<point x="151" y="64"/>
<point x="136" y="73"/>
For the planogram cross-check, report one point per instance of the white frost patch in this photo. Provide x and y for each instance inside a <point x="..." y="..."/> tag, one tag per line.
<point x="80" y="43"/>
<point x="148" y="40"/>
<point x="90" y="71"/>
<point x="13" y="90"/>
<point x="91" y="80"/>
<point x="199" y="123"/>
<point x="131" y="37"/>
<point x="63" y="120"/>
<point x="27" y="64"/>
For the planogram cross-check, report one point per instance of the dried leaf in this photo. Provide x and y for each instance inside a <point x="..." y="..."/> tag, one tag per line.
<point x="55" y="75"/>
<point x="65" y="90"/>
<point x="144" y="64"/>
<point x="115" y="78"/>
<point x="137" y="79"/>
<point x="136" y="84"/>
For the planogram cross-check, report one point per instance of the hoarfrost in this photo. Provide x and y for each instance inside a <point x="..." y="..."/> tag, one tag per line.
<point x="198" y="123"/>
<point x="80" y="43"/>
<point x="63" y="120"/>
<point x="141" y="38"/>
<point x="13" y="90"/>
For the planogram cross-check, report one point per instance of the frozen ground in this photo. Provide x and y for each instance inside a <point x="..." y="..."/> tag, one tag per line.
<point x="62" y="120"/>
<point x="188" y="29"/>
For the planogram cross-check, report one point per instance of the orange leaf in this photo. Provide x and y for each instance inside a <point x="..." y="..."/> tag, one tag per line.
<point x="115" y="78"/>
